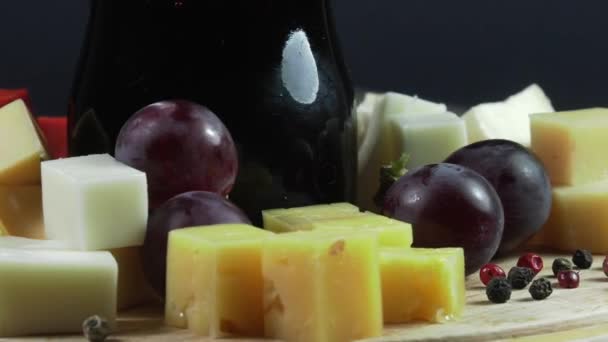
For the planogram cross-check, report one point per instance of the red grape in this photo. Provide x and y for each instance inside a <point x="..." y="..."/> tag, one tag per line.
<point x="198" y="208"/>
<point x="449" y="206"/>
<point x="181" y="146"/>
<point x="520" y="180"/>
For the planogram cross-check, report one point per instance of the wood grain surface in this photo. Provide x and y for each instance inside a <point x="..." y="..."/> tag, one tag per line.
<point x="569" y="314"/>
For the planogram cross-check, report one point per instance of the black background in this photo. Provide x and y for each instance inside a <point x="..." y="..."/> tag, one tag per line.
<point x="459" y="52"/>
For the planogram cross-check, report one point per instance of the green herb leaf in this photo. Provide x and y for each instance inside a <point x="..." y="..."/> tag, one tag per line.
<point x="389" y="174"/>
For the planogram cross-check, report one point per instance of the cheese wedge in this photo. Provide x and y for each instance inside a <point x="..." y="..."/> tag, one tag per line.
<point x="21" y="211"/>
<point x="3" y="231"/>
<point x="21" y="148"/>
<point x="133" y="288"/>
<point x="509" y="119"/>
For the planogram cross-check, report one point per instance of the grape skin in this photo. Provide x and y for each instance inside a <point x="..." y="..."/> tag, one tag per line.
<point x="520" y="180"/>
<point x="198" y="208"/>
<point x="181" y="146"/>
<point x="449" y="206"/>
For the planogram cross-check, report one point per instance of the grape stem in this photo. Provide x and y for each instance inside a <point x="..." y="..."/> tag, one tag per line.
<point x="389" y="174"/>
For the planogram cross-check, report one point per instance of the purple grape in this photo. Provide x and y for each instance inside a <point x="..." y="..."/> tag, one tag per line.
<point x="198" y="208"/>
<point x="449" y="206"/>
<point x="181" y="146"/>
<point x="520" y="180"/>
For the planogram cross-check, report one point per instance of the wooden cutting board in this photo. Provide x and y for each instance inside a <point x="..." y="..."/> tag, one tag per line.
<point x="565" y="309"/>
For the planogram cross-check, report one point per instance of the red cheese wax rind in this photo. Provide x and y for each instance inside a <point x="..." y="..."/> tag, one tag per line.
<point x="55" y="130"/>
<point x="9" y="95"/>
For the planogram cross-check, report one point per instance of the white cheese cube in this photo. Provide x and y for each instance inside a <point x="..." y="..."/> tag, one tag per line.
<point x="49" y="292"/>
<point x="509" y="119"/>
<point x="133" y="288"/>
<point x="396" y="103"/>
<point x="365" y="111"/>
<point x="378" y="146"/>
<point x="430" y="138"/>
<point x="94" y="202"/>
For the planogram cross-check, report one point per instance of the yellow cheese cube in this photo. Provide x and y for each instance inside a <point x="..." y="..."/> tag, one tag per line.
<point x="422" y="284"/>
<point x="214" y="280"/>
<point x="21" y="149"/>
<point x="322" y="286"/>
<point x="572" y="145"/>
<point x="133" y="289"/>
<point x="578" y="219"/>
<point x="391" y="233"/>
<point x="294" y="219"/>
<point x="21" y="211"/>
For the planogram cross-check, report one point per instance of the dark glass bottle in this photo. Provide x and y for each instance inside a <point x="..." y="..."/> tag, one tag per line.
<point x="270" y="69"/>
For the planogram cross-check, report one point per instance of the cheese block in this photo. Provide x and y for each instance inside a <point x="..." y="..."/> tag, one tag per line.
<point x="391" y="233"/>
<point x="378" y="147"/>
<point x="299" y="218"/>
<point x="322" y="286"/>
<point x="429" y="138"/>
<point x="578" y="219"/>
<point x="214" y="280"/>
<point x="422" y="284"/>
<point x="94" y="202"/>
<point x="571" y="145"/>
<point x="21" y="148"/>
<point x="21" y="211"/>
<point x="133" y="288"/>
<point x="50" y="292"/>
<point x="509" y="119"/>
<point x="25" y="243"/>
<point x="401" y="104"/>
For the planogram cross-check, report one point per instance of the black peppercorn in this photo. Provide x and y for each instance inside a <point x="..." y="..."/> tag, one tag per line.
<point x="561" y="264"/>
<point x="540" y="289"/>
<point x="96" y="328"/>
<point x="520" y="277"/>
<point x="498" y="290"/>
<point x="582" y="259"/>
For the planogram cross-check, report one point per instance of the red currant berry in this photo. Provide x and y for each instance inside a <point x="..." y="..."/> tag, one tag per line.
<point x="489" y="271"/>
<point x="605" y="266"/>
<point x="568" y="279"/>
<point x="531" y="260"/>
